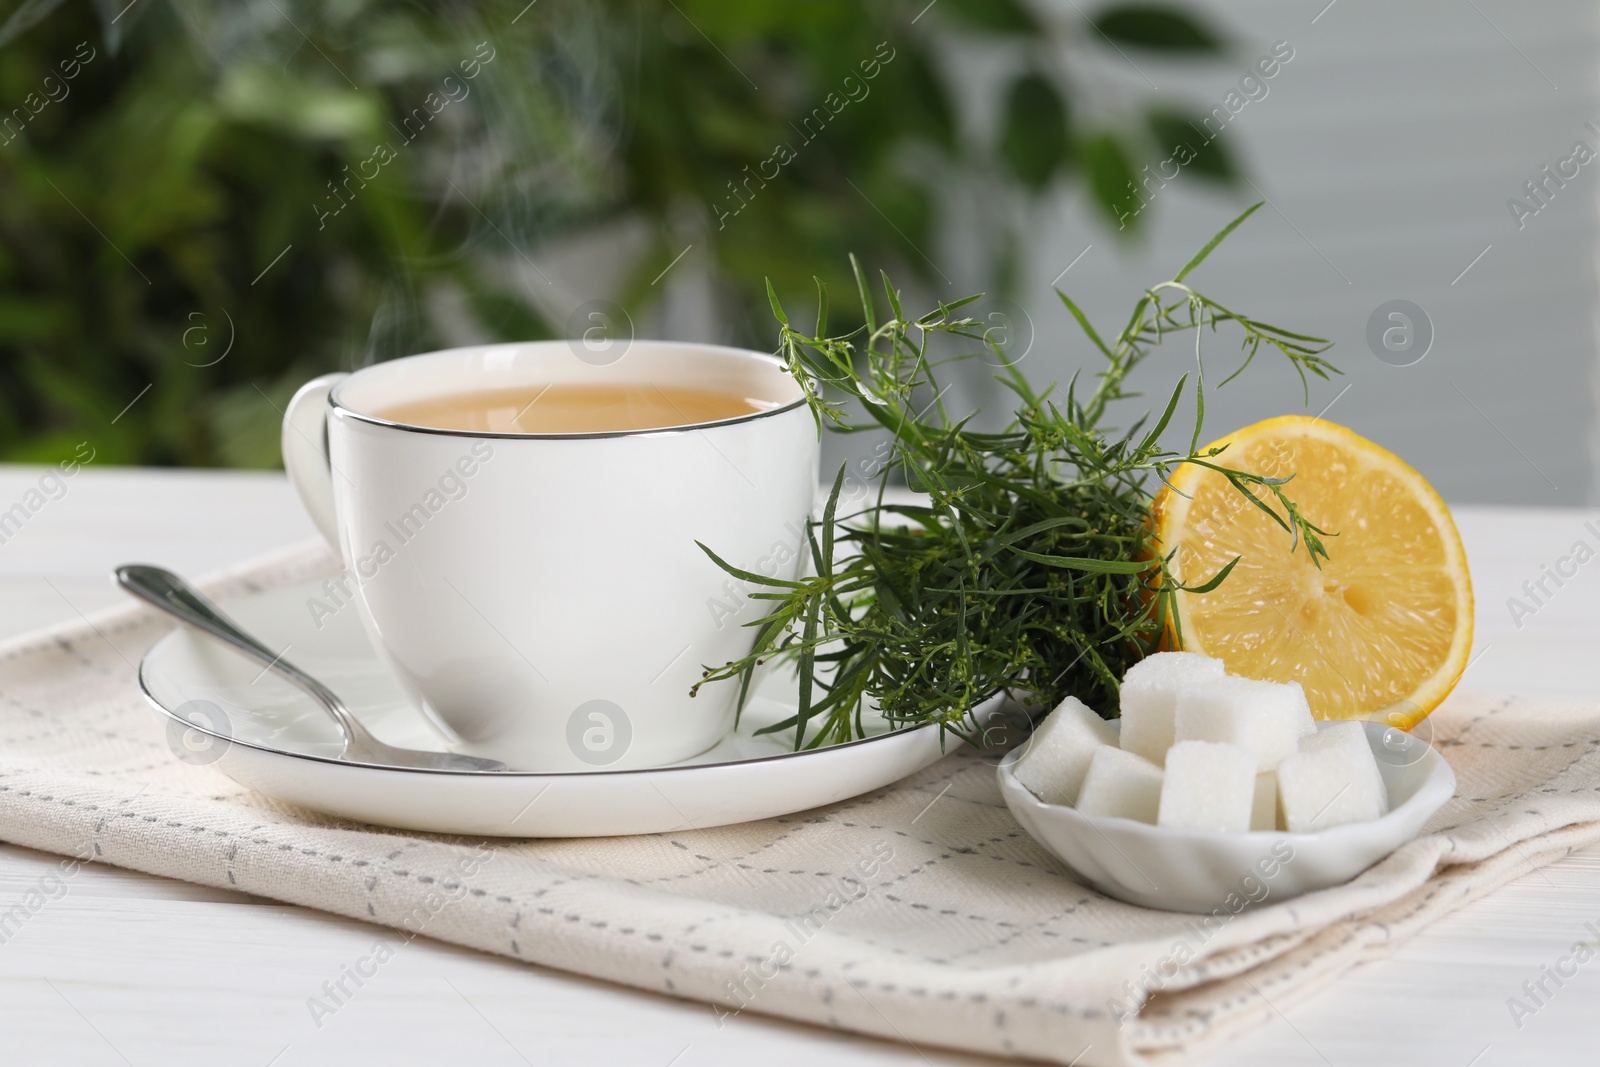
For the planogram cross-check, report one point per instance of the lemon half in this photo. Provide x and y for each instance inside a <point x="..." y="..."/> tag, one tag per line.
<point x="1381" y="630"/>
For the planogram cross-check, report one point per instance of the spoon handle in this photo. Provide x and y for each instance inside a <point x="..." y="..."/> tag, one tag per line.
<point x="176" y="597"/>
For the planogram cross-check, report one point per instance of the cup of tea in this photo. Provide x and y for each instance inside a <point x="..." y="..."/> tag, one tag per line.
<point x="518" y="525"/>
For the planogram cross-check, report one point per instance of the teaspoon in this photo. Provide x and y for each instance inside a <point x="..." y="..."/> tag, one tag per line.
<point x="183" y="602"/>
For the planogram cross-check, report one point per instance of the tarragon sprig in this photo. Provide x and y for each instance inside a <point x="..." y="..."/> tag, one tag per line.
<point x="1032" y="566"/>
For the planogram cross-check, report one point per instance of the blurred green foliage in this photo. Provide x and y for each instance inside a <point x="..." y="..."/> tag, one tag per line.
<point x="205" y="202"/>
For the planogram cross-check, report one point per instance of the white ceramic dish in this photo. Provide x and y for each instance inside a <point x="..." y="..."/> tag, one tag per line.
<point x="1202" y="872"/>
<point x="224" y="711"/>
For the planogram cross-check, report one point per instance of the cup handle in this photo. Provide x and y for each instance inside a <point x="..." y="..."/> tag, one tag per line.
<point x="305" y="452"/>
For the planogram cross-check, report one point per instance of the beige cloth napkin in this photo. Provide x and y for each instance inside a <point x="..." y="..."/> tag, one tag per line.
<point x="920" y="912"/>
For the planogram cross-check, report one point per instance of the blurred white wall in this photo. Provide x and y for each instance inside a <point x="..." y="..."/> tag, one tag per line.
<point x="1388" y="148"/>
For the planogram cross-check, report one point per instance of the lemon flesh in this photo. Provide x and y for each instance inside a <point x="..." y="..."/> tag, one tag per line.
<point x="1381" y="630"/>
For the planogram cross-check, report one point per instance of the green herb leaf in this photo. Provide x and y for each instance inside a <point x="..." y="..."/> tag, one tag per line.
<point x="777" y="308"/>
<point x="1211" y="245"/>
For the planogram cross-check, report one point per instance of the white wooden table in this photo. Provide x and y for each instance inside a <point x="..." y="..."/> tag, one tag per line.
<point x="131" y="969"/>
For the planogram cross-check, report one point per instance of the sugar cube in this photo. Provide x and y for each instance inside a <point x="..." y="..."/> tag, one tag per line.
<point x="1121" y="784"/>
<point x="1269" y="718"/>
<point x="1150" y="691"/>
<point x="1351" y="738"/>
<point x="1208" y="786"/>
<point x="1333" y="779"/>
<point x="1060" y="749"/>
<point x="1264" y="811"/>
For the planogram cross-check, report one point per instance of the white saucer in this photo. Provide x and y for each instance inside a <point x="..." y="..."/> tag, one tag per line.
<point x="224" y="711"/>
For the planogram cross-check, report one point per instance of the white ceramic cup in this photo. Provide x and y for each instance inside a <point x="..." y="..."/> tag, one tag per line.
<point x="542" y="595"/>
